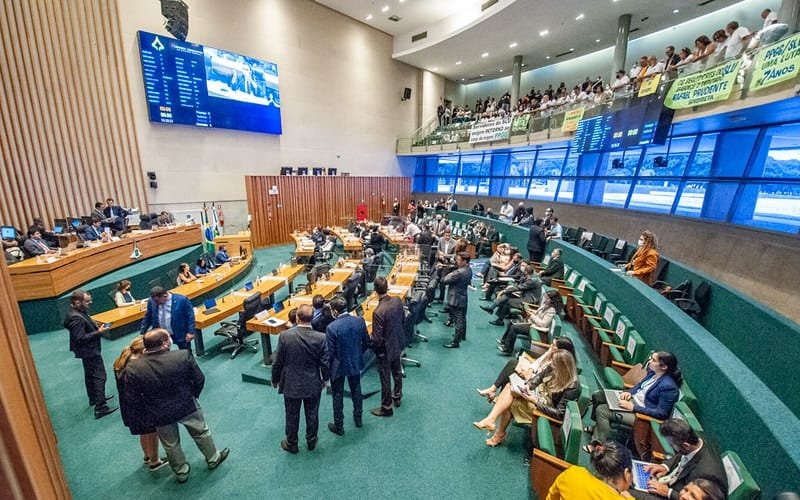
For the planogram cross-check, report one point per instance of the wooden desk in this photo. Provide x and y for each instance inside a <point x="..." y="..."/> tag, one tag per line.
<point x="304" y="247"/>
<point x="350" y="242"/>
<point x="36" y="278"/>
<point x="122" y="316"/>
<point x="233" y="242"/>
<point x="393" y="236"/>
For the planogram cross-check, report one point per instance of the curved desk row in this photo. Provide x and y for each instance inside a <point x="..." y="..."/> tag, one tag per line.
<point x="737" y="409"/>
<point x="50" y="276"/>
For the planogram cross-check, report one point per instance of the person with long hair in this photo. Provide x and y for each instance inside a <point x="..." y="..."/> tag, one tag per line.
<point x="123" y="296"/>
<point x="547" y="391"/>
<point x="525" y="368"/>
<point x="133" y="414"/>
<point x="705" y="47"/>
<point x="540" y="319"/>
<point x="202" y="267"/>
<point x="644" y="262"/>
<point x="612" y="476"/>
<point x="655" y="395"/>
<point x="185" y="274"/>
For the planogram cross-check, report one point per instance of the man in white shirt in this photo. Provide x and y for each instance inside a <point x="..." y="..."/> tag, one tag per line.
<point x="738" y="36"/>
<point x="769" y="18"/>
<point x="506" y="212"/>
<point x="654" y="66"/>
<point x="621" y="82"/>
<point x="412" y="230"/>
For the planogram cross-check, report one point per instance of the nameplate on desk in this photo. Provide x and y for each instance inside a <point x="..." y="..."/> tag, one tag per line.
<point x="263" y="314"/>
<point x="274" y="322"/>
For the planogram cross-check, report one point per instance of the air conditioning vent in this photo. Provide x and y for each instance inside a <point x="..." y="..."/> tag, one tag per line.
<point x="419" y="36"/>
<point x="634" y="30"/>
<point x="395" y="18"/>
<point x="704" y="3"/>
<point x="486" y="5"/>
<point x="565" y="53"/>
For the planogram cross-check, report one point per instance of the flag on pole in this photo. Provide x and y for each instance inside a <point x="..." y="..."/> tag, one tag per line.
<point x="208" y="232"/>
<point x="214" y="220"/>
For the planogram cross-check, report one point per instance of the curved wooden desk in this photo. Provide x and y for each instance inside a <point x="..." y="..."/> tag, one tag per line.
<point x="37" y="278"/>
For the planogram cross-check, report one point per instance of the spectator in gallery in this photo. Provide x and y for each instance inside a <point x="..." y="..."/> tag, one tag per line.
<point x="769" y="18"/>
<point x="704" y="47"/>
<point x="478" y="208"/>
<point x="685" y="57"/>
<point x="621" y="82"/>
<point x="671" y="57"/>
<point x="506" y="212"/>
<point x="738" y="36"/>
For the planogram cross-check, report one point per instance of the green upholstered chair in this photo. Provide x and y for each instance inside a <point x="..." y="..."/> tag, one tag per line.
<point x="569" y="434"/>
<point x="741" y="485"/>
<point x="619" y="338"/>
<point x="634" y="351"/>
<point x="603" y="329"/>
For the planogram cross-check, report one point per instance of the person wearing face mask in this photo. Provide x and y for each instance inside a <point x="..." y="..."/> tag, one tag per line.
<point x="654" y="396"/>
<point x="612" y="476"/>
<point x="168" y="384"/>
<point x="555" y="268"/>
<point x="644" y="262"/>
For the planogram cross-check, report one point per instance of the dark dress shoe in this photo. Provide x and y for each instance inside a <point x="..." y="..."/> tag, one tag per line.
<point x="339" y="431"/>
<point x="396" y="402"/>
<point x="448" y="323"/>
<point x="451" y="345"/>
<point x="107" y="398"/>
<point x="488" y="309"/>
<point x="287" y="447"/>
<point x="312" y="444"/>
<point x="223" y="454"/>
<point x="497" y="322"/>
<point x="503" y="351"/>
<point x="382" y="412"/>
<point x="357" y="421"/>
<point x="103" y="411"/>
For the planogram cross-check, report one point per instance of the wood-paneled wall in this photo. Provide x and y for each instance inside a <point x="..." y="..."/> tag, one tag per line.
<point x="67" y="136"/>
<point x="306" y="201"/>
<point x="28" y="451"/>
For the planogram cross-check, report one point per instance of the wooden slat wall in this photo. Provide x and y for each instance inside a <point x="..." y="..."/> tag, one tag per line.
<point x="67" y="136"/>
<point x="31" y="466"/>
<point x="305" y="201"/>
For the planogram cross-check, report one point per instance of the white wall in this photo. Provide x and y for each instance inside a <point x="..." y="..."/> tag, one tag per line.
<point x="340" y="99"/>
<point x="432" y="93"/>
<point x="575" y="71"/>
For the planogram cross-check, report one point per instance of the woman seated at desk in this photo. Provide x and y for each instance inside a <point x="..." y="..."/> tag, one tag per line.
<point x="540" y="319"/>
<point x="201" y="268"/>
<point x="546" y="391"/>
<point x="184" y="274"/>
<point x="123" y="296"/>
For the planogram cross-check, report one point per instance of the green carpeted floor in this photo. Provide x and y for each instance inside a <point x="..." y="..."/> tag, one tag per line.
<point x="428" y="449"/>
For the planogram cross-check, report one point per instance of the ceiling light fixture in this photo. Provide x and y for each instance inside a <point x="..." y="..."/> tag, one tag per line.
<point x="500" y="71"/>
<point x="369" y="16"/>
<point x="676" y="11"/>
<point x="544" y="33"/>
<point x="385" y="8"/>
<point x="485" y="54"/>
<point x="597" y="40"/>
<point x="548" y="57"/>
<point x="571" y="49"/>
<point x="481" y="75"/>
<point x="458" y="62"/>
<point x="512" y="45"/>
<point x="463" y="79"/>
<point x="580" y="16"/>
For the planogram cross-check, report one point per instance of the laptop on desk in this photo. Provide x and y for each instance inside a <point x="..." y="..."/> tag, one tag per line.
<point x="211" y="306"/>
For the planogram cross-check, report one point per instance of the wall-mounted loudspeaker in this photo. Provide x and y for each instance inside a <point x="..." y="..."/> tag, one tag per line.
<point x="406" y="94"/>
<point x="151" y="176"/>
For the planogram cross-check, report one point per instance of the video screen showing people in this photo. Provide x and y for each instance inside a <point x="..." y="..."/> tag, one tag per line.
<point x="241" y="78"/>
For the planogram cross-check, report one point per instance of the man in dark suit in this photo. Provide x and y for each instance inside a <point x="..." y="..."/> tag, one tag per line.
<point x="387" y="342"/>
<point x="168" y="383"/>
<point x="171" y="312"/>
<point x="528" y="291"/>
<point x="554" y="269"/>
<point x="511" y="276"/>
<point x="300" y="372"/>
<point x="84" y="342"/>
<point x="99" y="212"/>
<point x="694" y="460"/>
<point x="353" y="286"/>
<point x="94" y="231"/>
<point x="536" y="241"/>
<point x="116" y="216"/>
<point x="346" y="339"/>
<point x="458" y="280"/>
<point x="445" y="254"/>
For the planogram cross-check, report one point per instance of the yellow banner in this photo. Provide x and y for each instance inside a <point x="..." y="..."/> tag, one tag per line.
<point x="649" y="85"/>
<point x="703" y="87"/>
<point x="571" y="119"/>
<point x="776" y="63"/>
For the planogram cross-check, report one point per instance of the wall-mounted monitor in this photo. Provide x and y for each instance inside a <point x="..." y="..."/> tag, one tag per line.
<point x="287" y="170"/>
<point x="302" y="170"/>
<point x="190" y="84"/>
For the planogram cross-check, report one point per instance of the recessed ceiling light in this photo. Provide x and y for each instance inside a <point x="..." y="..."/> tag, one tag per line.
<point x="501" y="71"/>
<point x="401" y="1"/>
<point x="523" y="65"/>
<point x="676" y="11"/>
<point x="463" y="79"/>
<point x="369" y="16"/>
<point x="458" y="62"/>
<point x="571" y="49"/>
<point x="597" y="40"/>
<point x="485" y="54"/>
<point x="512" y="45"/>
<point x="548" y="57"/>
<point x="579" y="17"/>
<point x="385" y="8"/>
<point x="544" y="33"/>
<point x="481" y="74"/>
<point x="435" y="68"/>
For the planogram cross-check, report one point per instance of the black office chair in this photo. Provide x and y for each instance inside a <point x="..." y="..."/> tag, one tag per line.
<point x="235" y="333"/>
<point x="155" y="282"/>
<point x="172" y="278"/>
<point x="409" y="326"/>
<point x="696" y="305"/>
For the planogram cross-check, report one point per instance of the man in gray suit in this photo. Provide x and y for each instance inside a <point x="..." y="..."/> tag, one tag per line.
<point x="387" y="342"/>
<point x="300" y="372"/>
<point x="459" y="280"/>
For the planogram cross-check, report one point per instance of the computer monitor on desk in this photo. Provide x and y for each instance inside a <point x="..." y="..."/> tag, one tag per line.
<point x="74" y="223"/>
<point x="60" y="226"/>
<point x="8" y="232"/>
<point x="86" y="220"/>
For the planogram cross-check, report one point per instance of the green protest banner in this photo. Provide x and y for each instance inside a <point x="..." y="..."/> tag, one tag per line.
<point x="712" y="85"/>
<point x="520" y="124"/>
<point x="776" y="63"/>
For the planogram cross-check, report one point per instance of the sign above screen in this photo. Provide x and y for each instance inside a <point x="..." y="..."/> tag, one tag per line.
<point x="191" y="84"/>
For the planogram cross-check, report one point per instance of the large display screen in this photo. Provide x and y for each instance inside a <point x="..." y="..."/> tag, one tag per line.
<point x="646" y="122"/>
<point x="191" y="84"/>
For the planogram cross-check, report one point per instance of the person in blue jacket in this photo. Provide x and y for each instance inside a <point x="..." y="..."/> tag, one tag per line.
<point x="654" y="395"/>
<point x="222" y="255"/>
<point x="172" y="312"/>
